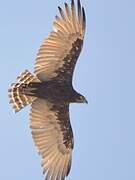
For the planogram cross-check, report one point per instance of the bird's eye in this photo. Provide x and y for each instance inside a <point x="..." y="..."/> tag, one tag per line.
<point x="81" y="97"/>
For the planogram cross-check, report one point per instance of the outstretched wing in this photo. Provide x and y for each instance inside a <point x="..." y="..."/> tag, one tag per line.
<point x="58" y="54"/>
<point x="52" y="134"/>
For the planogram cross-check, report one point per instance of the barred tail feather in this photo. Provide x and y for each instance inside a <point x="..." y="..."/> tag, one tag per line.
<point x="17" y="98"/>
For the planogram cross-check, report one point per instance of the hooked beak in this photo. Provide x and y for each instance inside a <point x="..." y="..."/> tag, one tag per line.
<point x="86" y="101"/>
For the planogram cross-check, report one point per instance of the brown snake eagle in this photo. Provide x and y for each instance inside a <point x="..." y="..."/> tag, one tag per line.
<point x="50" y="91"/>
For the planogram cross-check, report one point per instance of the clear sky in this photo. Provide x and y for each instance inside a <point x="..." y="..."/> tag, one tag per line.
<point x="104" y="130"/>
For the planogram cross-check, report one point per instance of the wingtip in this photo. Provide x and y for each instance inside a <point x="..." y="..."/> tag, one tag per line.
<point x="59" y="8"/>
<point x="79" y="10"/>
<point x="72" y="4"/>
<point x="78" y="3"/>
<point x="67" y="10"/>
<point x="61" y="12"/>
<point x="84" y="18"/>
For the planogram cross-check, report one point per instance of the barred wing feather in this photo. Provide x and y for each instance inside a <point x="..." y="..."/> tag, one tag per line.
<point x="58" y="54"/>
<point x="52" y="134"/>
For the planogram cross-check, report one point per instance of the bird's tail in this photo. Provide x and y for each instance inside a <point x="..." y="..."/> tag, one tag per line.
<point x="18" y="92"/>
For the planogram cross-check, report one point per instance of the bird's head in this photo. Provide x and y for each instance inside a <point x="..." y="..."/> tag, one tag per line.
<point x="81" y="99"/>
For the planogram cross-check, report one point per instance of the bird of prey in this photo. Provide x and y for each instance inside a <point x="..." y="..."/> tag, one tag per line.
<point x="50" y="91"/>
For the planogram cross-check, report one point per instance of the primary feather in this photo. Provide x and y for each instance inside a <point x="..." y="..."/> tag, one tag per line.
<point x="58" y="54"/>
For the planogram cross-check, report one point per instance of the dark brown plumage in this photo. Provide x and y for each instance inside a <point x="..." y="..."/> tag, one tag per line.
<point x="50" y="91"/>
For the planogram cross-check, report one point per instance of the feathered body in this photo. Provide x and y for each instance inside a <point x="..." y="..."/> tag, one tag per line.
<point x="52" y="91"/>
<point x="49" y="91"/>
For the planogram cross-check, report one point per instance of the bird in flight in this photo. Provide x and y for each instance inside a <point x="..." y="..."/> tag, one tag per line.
<point x="49" y="91"/>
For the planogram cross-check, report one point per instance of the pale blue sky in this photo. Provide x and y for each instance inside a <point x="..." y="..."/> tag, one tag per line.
<point x="104" y="130"/>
